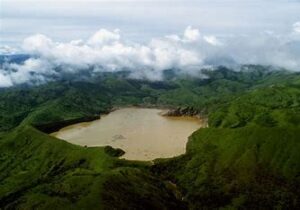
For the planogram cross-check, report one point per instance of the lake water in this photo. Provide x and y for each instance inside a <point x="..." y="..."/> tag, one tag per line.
<point x="142" y="133"/>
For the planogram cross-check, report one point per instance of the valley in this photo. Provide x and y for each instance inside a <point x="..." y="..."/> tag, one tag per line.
<point x="247" y="157"/>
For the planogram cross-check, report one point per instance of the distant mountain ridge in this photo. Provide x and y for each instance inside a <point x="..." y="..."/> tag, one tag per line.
<point x="10" y="64"/>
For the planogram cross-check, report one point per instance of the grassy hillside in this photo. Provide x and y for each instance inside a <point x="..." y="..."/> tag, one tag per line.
<point x="247" y="159"/>
<point x="267" y="107"/>
<point x="250" y="167"/>
<point x="41" y="172"/>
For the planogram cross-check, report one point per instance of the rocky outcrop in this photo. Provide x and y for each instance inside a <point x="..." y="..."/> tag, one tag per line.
<point x="185" y="111"/>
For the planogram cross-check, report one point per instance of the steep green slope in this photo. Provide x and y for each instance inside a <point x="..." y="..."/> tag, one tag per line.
<point x="250" y="167"/>
<point x="248" y="158"/>
<point x="267" y="107"/>
<point x="41" y="172"/>
<point x="50" y="103"/>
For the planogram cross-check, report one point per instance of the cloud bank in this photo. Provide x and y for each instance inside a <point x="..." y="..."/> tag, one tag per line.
<point x="108" y="51"/>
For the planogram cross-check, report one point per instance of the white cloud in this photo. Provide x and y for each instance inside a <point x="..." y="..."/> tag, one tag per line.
<point x="33" y="69"/>
<point x="296" y="27"/>
<point x="212" y="40"/>
<point x="7" y="50"/>
<point x="191" y="34"/>
<point x="103" y="37"/>
<point x="5" y="80"/>
<point x="37" y="44"/>
<point x="108" y="51"/>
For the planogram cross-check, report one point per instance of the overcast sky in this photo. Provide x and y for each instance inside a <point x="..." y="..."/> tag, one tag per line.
<point x="141" y="20"/>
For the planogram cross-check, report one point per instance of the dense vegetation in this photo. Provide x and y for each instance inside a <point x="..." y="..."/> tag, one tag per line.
<point x="41" y="172"/>
<point x="267" y="107"/>
<point x="63" y="100"/>
<point x="247" y="158"/>
<point x="249" y="167"/>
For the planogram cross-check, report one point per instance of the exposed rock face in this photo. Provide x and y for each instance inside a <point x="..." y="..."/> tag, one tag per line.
<point x="185" y="111"/>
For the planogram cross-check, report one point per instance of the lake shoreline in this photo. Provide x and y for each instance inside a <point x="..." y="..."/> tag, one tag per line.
<point x="167" y="111"/>
<point x="143" y="133"/>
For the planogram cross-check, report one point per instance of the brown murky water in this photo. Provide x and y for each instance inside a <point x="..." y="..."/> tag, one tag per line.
<point x="142" y="133"/>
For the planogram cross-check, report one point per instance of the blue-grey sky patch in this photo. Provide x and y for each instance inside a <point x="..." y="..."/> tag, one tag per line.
<point x="142" y="19"/>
